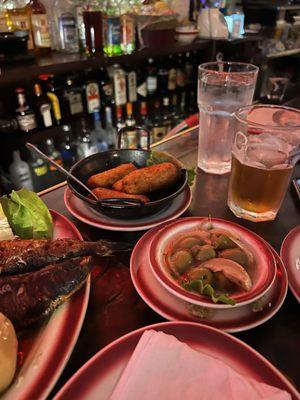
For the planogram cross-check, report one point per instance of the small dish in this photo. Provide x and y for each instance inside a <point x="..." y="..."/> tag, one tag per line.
<point x="262" y="273"/>
<point x="186" y="34"/>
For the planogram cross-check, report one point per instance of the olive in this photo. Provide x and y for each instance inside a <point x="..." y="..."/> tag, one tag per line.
<point x="222" y="242"/>
<point x="205" y="253"/>
<point x="236" y="255"/>
<point x="202" y="273"/>
<point x="222" y="283"/>
<point x="181" y="260"/>
<point x="195" y="249"/>
<point x="190" y="241"/>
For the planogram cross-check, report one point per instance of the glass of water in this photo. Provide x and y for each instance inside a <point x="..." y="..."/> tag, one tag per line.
<point x="223" y="87"/>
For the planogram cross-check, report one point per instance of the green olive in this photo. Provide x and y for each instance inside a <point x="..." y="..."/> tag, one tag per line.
<point x="205" y="253"/>
<point x="222" y="242"/>
<point x="189" y="242"/>
<point x="195" y="249"/>
<point x="236" y="255"/>
<point x="181" y="260"/>
<point x="202" y="273"/>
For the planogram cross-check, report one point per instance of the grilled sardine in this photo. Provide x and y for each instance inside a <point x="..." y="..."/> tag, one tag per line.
<point x="19" y="256"/>
<point x="28" y="297"/>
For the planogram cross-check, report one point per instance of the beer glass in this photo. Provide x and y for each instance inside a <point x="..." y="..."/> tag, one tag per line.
<point x="264" y="152"/>
<point x="223" y="87"/>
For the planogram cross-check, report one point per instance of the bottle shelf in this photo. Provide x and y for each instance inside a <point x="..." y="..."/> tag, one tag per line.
<point x="62" y="63"/>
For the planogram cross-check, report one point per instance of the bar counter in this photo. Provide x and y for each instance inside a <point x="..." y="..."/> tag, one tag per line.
<point x="115" y="308"/>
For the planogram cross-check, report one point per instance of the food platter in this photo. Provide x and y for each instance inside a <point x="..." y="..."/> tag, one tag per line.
<point x="172" y="308"/>
<point x="45" y="349"/>
<point x="98" y="377"/>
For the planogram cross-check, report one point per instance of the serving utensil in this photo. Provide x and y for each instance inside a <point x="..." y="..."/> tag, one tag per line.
<point x="101" y="203"/>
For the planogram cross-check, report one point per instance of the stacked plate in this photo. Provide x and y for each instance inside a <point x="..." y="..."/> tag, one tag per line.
<point x="155" y="282"/>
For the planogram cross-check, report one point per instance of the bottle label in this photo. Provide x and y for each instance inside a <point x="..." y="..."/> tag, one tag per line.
<point x="92" y="97"/>
<point x="40" y="171"/>
<point x="75" y="102"/>
<point x="46" y="115"/>
<point x="40" y="29"/>
<point x="120" y="89"/>
<point x="158" y="133"/>
<point x="127" y="22"/>
<point x="132" y="95"/>
<point x="22" y="22"/>
<point x="67" y="27"/>
<point x="113" y="33"/>
<point x="151" y="84"/>
<point x="143" y="140"/>
<point x="55" y="105"/>
<point x="108" y="90"/>
<point x="27" y="122"/>
<point x="142" y="89"/>
<point x="172" y="79"/>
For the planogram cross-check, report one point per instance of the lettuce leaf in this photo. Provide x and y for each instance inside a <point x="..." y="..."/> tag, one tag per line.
<point x="198" y="286"/>
<point x="27" y="215"/>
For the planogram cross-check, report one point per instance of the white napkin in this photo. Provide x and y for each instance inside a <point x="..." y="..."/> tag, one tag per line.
<point x="163" y="368"/>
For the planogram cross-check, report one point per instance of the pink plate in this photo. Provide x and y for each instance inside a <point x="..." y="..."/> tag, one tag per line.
<point x="290" y="254"/>
<point x="46" y="348"/>
<point x="262" y="276"/>
<point x="234" y="319"/>
<point x="86" y="214"/>
<point x="97" y="378"/>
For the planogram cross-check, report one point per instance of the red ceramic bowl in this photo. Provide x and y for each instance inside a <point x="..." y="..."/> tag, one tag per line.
<point x="262" y="273"/>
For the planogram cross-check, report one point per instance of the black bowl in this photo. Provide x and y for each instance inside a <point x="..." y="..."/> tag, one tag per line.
<point x="99" y="162"/>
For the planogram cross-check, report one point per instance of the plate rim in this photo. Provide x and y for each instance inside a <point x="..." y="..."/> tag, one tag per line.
<point x="196" y="325"/>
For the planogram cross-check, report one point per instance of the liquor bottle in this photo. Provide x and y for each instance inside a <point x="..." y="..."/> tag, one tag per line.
<point x="87" y="145"/>
<point x="24" y="113"/>
<point x="72" y="97"/>
<point x="172" y="78"/>
<point x="19" y="15"/>
<point x="120" y="123"/>
<point x="131" y="86"/>
<point x="19" y="172"/>
<point x="43" y="108"/>
<point x="131" y="139"/>
<point x="166" y="115"/>
<point x="141" y="85"/>
<point x="188" y="69"/>
<point x="106" y="88"/>
<point x="49" y="86"/>
<point x="146" y="124"/>
<point x="180" y="73"/>
<point x="151" y="79"/>
<point x="112" y="28"/>
<point x="110" y="131"/>
<point x="176" y="114"/>
<point x="54" y="175"/>
<point x="80" y="25"/>
<point x="68" y="147"/>
<point x="162" y="79"/>
<point x="119" y="81"/>
<point x="91" y="93"/>
<point x="127" y="22"/>
<point x="5" y="21"/>
<point x="158" y="128"/>
<point x="41" y="176"/>
<point x="65" y="26"/>
<point x="92" y="19"/>
<point x="40" y="27"/>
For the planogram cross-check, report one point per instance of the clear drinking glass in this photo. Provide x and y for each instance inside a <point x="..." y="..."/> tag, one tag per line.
<point x="264" y="152"/>
<point x="223" y="87"/>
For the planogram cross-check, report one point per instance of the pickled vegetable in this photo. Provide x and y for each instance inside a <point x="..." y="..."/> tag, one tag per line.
<point x="201" y="273"/>
<point x="205" y="253"/>
<point x="222" y="242"/>
<point x="236" y="255"/>
<point x="181" y="261"/>
<point x="221" y="283"/>
<point x="189" y="242"/>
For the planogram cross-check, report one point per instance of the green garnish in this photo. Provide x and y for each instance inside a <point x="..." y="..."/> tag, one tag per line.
<point x="191" y="176"/>
<point x="207" y="290"/>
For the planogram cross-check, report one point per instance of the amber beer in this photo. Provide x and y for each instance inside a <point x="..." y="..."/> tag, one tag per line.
<point x="257" y="191"/>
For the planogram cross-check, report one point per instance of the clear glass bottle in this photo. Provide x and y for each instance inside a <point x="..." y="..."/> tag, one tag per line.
<point x="111" y="133"/>
<point x="119" y="82"/>
<point x="98" y="133"/>
<point x="66" y="30"/>
<point x="132" y="138"/>
<point x="112" y="28"/>
<point x="127" y="21"/>
<point x="19" y="172"/>
<point x="43" y="108"/>
<point x="40" y="26"/>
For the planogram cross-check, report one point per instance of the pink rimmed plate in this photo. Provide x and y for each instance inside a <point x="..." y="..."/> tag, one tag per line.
<point x="98" y="377"/>
<point x="290" y="254"/>
<point x="45" y="349"/>
<point x="87" y="215"/>
<point x="262" y="273"/>
<point x="234" y="319"/>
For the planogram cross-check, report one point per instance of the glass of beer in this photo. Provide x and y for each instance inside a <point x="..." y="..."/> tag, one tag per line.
<point x="265" y="150"/>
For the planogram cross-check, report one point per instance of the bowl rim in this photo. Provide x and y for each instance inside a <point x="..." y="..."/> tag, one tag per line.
<point x="93" y="203"/>
<point x="195" y="298"/>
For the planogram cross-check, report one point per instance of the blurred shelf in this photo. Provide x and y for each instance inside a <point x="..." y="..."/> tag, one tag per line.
<point x="284" y="53"/>
<point x="63" y="63"/>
